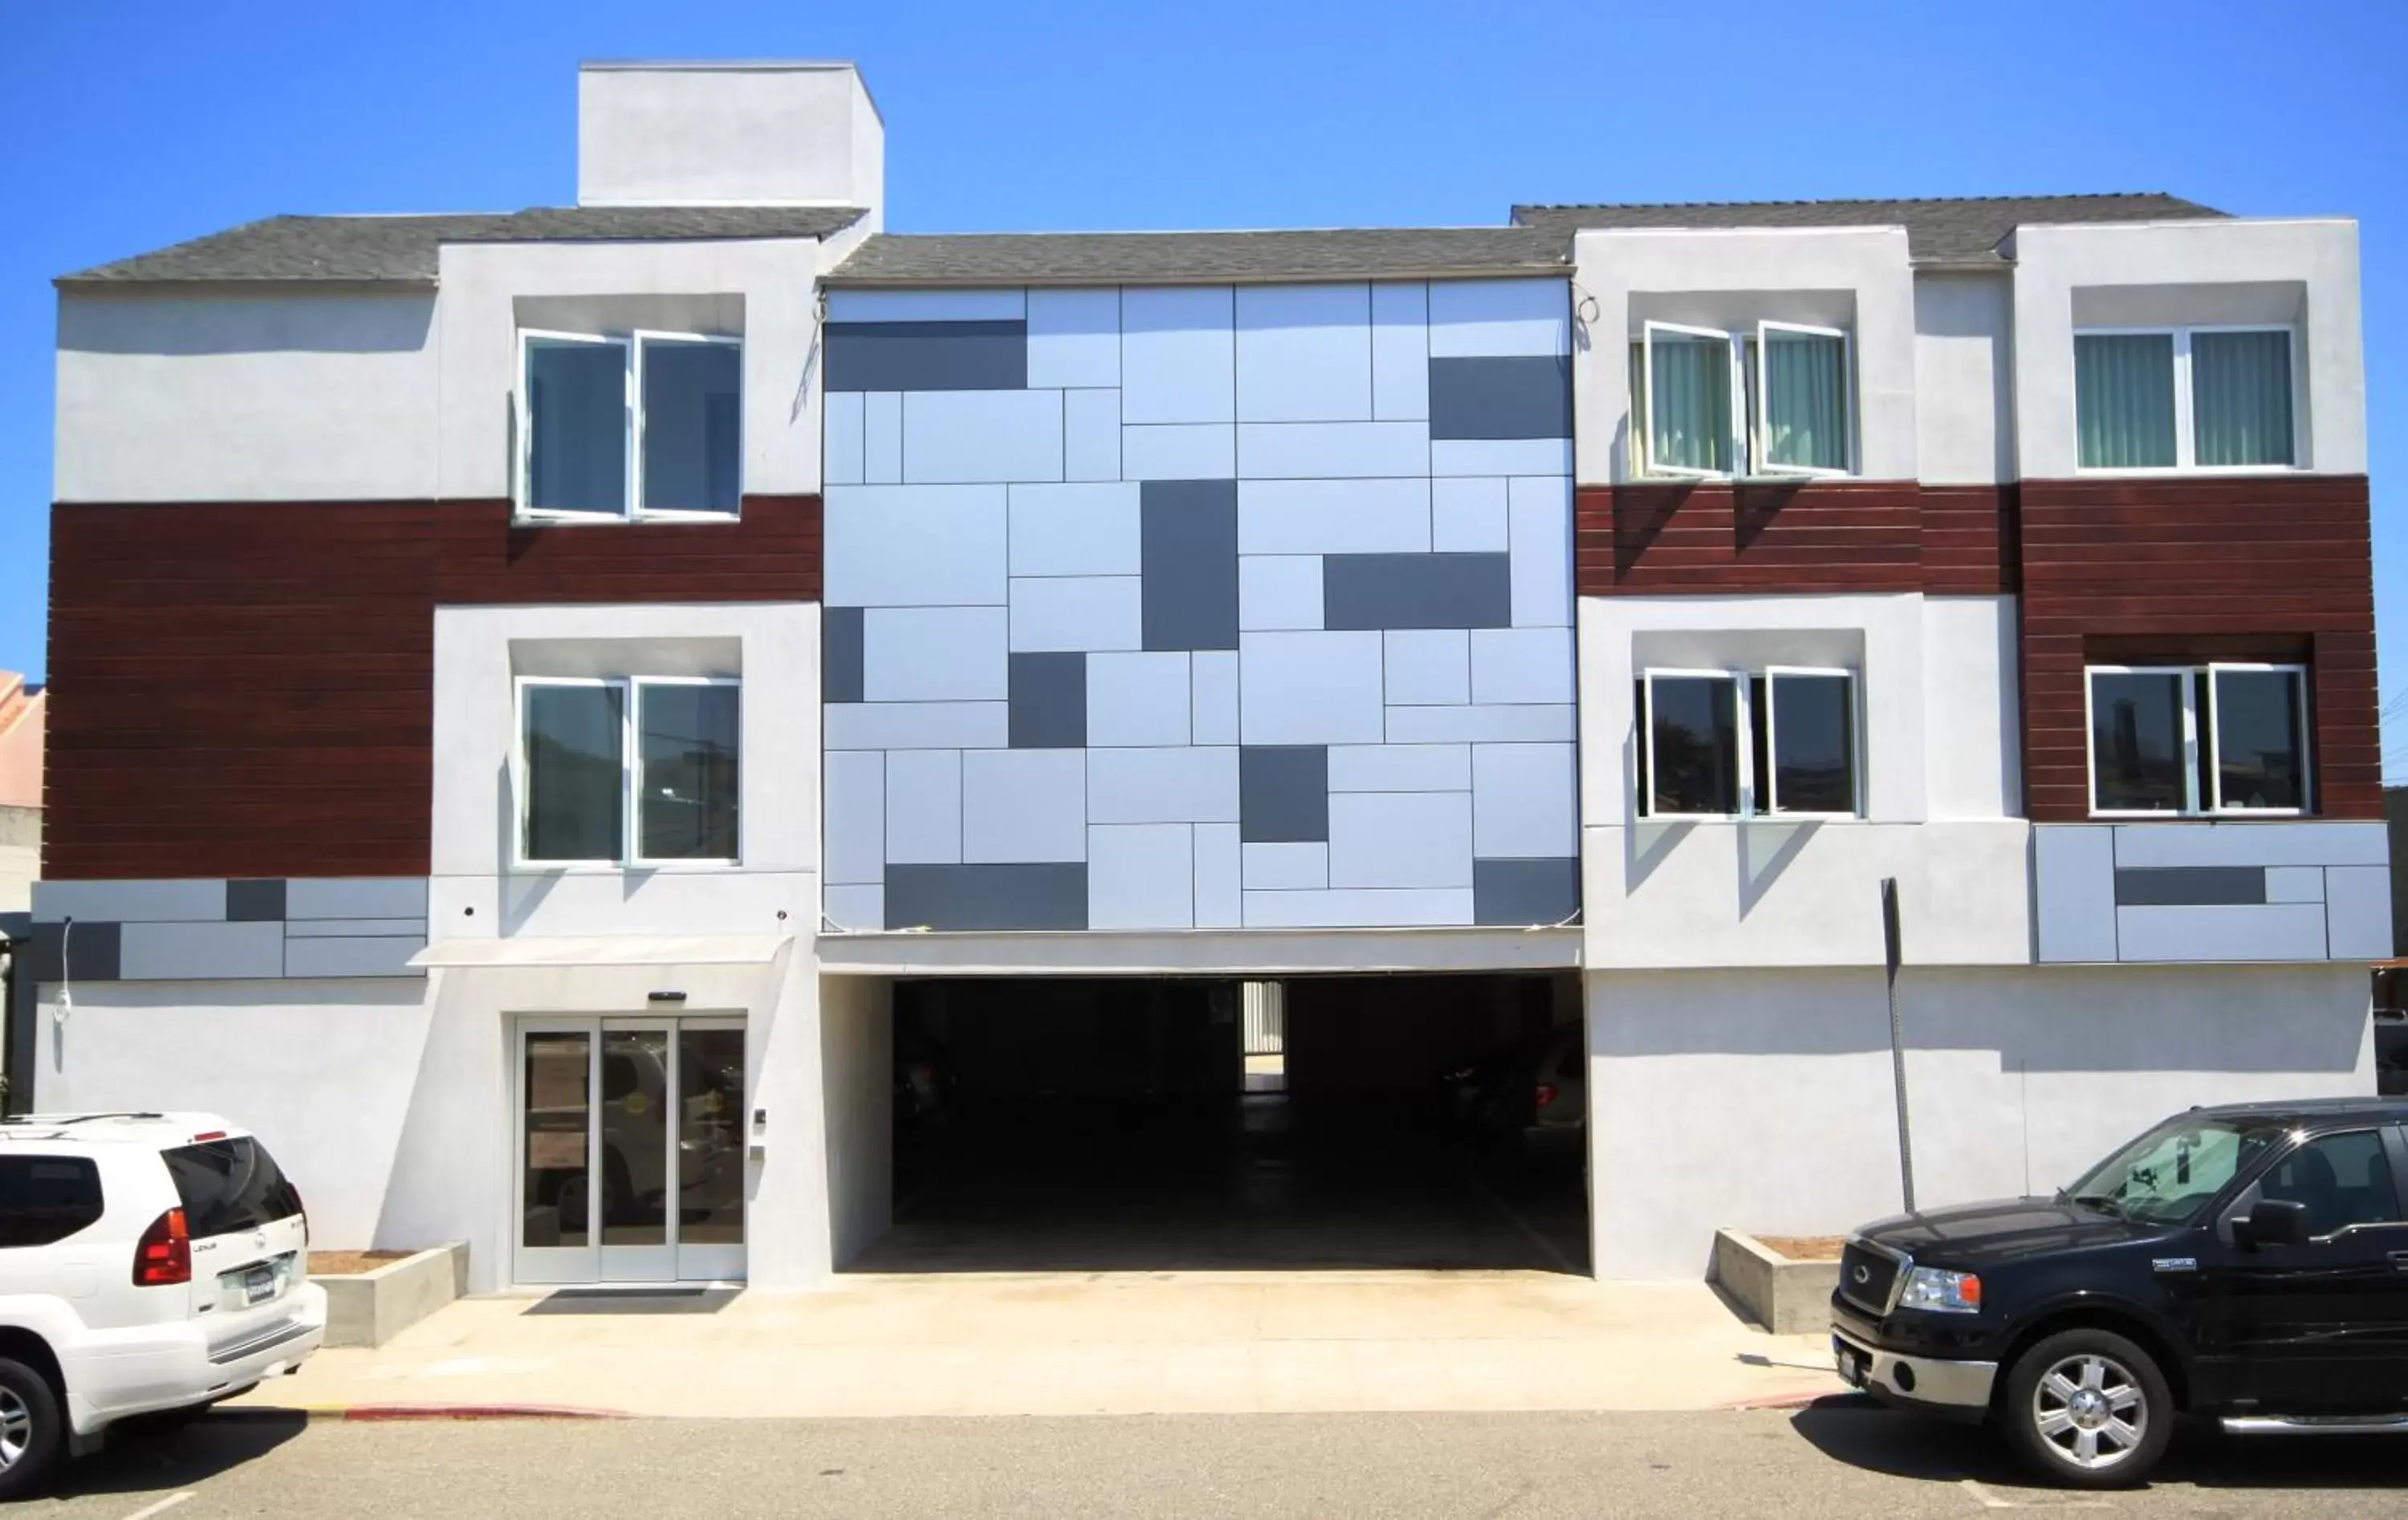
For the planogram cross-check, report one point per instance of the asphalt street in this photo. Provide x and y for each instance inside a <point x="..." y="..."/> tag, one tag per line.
<point x="1843" y="1459"/>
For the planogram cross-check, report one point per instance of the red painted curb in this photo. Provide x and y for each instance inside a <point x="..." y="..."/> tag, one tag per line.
<point x="473" y="1411"/>
<point x="1799" y="1400"/>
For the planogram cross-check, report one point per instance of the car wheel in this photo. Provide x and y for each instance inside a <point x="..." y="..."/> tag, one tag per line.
<point x="30" y="1430"/>
<point x="2090" y="1409"/>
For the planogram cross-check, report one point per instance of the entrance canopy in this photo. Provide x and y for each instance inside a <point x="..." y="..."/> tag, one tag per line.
<point x="611" y="949"/>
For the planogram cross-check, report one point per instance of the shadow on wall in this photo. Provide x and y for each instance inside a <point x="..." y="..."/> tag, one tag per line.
<point x="223" y="324"/>
<point x="1764" y="851"/>
<point x="2075" y="1019"/>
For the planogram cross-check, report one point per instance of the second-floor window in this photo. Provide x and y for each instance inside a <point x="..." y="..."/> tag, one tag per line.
<point x="639" y="771"/>
<point x="1724" y="744"/>
<point x="2207" y="739"/>
<point x="629" y="424"/>
<point x="1770" y="400"/>
<point x="2184" y="398"/>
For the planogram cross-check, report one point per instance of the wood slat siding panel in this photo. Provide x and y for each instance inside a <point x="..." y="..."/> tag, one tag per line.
<point x="1658" y="538"/>
<point x="2240" y="567"/>
<point x="247" y="689"/>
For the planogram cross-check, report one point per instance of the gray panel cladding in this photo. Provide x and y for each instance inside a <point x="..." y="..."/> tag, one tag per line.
<point x="256" y="902"/>
<point x="1004" y="897"/>
<point x="1049" y="702"/>
<point x="1527" y="397"/>
<point x="1284" y="793"/>
<point x="991" y="355"/>
<point x="1188" y="559"/>
<point x="1535" y="891"/>
<point x="2190" y="886"/>
<point x="840" y="654"/>
<point x="1416" y="591"/>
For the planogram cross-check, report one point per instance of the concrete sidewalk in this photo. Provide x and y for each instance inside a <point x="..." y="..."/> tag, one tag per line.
<point x="1135" y="1343"/>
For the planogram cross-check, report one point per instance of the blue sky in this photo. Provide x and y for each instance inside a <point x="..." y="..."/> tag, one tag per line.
<point x="138" y="122"/>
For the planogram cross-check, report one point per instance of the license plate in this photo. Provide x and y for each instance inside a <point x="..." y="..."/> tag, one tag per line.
<point x="258" y="1285"/>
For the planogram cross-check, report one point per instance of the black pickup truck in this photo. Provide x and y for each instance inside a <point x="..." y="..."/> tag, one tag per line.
<point x="2247" y="1264"/>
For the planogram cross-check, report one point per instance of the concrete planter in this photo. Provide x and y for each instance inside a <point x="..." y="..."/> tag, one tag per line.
<point x="368" y="1309"/>
<point x="1785" y="1296"/>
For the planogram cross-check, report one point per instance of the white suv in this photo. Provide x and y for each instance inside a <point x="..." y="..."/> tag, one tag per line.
<point x="148" y="1262"/>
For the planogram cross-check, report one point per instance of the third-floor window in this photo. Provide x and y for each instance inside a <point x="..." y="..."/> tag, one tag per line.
<point x="628" y="424"/>
<point x="2184" y="398"/>
<point x="1770" y="399"/>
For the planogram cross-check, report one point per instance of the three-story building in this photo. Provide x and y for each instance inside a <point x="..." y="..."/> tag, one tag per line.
<point x="528" y="688"/>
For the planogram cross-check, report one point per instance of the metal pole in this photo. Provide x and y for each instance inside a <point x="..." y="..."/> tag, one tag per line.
<point x="1896" y="1037"/>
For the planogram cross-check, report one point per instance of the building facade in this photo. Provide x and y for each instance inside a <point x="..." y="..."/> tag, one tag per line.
<point x="637" y="634"/>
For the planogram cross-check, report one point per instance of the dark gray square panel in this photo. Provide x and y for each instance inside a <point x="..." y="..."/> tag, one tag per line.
<point x="1283" y="794"/>
<point x="1189" y="557"/>
<point x="2190" y="886"/>
<point x="1051" y="896"/>
<point x="927" y="356"/>
<point x="87" y="952"/>
<point x="256" y="902"/>
<point x="1416" y="591"/>
<point x="840" y="654"/>
<point x="1501" y="398"/>
<point x="1543" y="890"/>
<point x="1049" y="702"/>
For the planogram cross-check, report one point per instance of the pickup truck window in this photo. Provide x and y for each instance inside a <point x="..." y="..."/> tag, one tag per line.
<point x="2172" y="1171"/>
<point x="2342" y="1179"/>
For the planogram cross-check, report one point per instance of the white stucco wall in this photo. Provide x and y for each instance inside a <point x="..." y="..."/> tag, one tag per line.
<point x="764" y="289"/>
<point x="1857" y="279"/>
<point x="857" y="1063"/>
<point x="324" y="1072"/>
<point x="801" y="133"/>
<point x="1762" y="1101"/>
<point x="223" y="396"/>
<point x="2303" y="272"/>
<point x="1964" y="378"/>
<point x="477" y="891"/>
<point x="1972" y="755"/>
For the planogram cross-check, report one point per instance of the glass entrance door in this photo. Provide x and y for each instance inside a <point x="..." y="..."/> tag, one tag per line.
<point x="631" y="1150"/>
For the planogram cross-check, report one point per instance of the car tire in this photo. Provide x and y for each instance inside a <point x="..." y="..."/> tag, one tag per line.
<point x="31" y="1429"/>
<point x="2090" y="1409"/>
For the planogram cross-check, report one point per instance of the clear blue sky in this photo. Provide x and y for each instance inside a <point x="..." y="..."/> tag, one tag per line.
<point x="135" y="124"/>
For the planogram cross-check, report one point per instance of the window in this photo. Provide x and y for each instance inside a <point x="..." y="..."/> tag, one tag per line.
<point x="1800" y="759"/>
<point x="2184" y="398"/>
<point x="642" y="425"/>
<point x="1774" y="401"/>
<point x="2213" y="739"/>
<point x="651" y="760"/>
<point x="2343" y="1180"/>
<point x="229" y="1185"/>
<point x="2172" y="1172"/>
<point x="45" y="1199"/>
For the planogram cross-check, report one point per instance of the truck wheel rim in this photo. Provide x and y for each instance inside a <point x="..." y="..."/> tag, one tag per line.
<point x="16" y="1428"/>
<point x="2090" y="1410"/>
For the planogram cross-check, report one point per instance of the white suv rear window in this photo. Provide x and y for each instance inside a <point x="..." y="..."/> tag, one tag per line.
<point x="229" y="1185"/>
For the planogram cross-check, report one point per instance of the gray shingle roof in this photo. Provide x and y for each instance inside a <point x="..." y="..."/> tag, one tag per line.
<point x="377" y="249"/>
<point x="1964" y="230"/>
<point x="1170" y="258"/>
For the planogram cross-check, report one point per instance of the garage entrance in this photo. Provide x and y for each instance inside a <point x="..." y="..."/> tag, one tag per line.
<point x="1187" y="1123"/>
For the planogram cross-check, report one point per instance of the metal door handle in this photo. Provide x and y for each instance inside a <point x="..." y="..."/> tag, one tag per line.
<point x="2400" y="1261"/>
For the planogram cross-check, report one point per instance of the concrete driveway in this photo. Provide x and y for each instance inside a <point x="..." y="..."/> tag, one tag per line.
<point x="1110" y="1343"/>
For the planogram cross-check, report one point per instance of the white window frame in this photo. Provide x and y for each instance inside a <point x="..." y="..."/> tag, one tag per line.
<point x="1772" y="742"/>
<point x="1760" y="460"/>
<point x="631" y="769"/>
<point x="636" y="772"/>
<point x="1736" y="444"/>
<point x="2197" y="729"/>
<point x="1743" y="763"/>
<point x="639" y="338"/>
<point x="632" y="509"/>
<point x="2186" y="439"/>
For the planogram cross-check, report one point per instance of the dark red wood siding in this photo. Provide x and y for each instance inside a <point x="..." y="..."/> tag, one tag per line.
<point x="1658" y="537"/>
<point x="2232" y="567"/>
<point x="247" y="690"/>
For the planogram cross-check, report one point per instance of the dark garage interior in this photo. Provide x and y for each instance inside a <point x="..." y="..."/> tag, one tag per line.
<point x="1403" y="1121"/>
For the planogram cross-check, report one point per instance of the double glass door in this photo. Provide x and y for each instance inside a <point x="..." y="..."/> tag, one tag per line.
<point x="631" y="1150"/>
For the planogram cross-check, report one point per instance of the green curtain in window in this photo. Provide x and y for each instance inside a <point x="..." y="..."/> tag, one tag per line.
<point x="2124" y="399"/>
<point x="2241" y="397"/>
<point x="1688" y="404"/>
<point x="1805" y="402"/>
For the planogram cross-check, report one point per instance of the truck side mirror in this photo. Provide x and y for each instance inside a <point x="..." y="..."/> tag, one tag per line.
<point x="2273" y="1222"/>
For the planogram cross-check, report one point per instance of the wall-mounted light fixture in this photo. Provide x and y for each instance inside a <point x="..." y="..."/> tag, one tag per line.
<point x="665" y="997"/>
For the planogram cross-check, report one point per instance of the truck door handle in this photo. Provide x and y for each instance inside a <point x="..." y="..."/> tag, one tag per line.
<point x="2400" y="1261"/>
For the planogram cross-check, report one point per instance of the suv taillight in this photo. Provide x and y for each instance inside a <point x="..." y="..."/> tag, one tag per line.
<point x="1546" y="1094"/>
<point x="163" y="1256"/>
